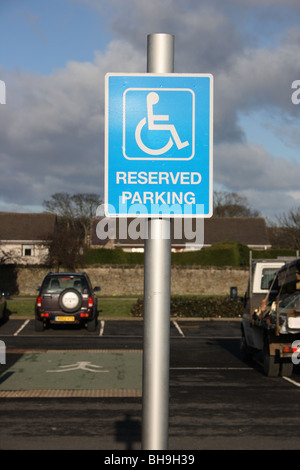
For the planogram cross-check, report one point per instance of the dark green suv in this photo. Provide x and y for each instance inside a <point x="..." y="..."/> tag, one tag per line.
<point x="66" y="298"/>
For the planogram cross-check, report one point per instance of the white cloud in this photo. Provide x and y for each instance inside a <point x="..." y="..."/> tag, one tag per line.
<point x="51" y="129"/>
<point x="245" y="166"/>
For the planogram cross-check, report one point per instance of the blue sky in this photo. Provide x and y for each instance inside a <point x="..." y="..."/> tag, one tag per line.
<point x="54" y="55"/>
<point x="40" y="36"/>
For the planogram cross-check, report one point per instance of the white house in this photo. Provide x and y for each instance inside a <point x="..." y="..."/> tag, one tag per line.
<point x="24" y="238"/>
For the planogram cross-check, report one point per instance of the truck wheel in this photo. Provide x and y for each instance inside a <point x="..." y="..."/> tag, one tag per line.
<point x="286" y="369"/>
<point x="271" y="367"/>
<point x="246" y="354"/>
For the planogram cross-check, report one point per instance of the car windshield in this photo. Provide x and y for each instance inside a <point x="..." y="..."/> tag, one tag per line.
<point x="56" y="284"/>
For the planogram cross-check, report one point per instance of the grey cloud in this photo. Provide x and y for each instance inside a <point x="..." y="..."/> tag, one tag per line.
<point x="51" y="130"/>
<point x="248" y="166"/>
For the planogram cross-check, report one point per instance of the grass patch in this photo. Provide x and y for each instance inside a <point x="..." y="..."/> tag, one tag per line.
<point x="115" y="308"/>
<point x="21" y="307"/>
<point x="106" y="308"/>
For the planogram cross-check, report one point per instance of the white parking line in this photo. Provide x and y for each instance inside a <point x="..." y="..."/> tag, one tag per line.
<point x="178" y="328"/>
<point x="292" y="381"/>
<point x="102" y="323"/>
<point x="21" y="327"/>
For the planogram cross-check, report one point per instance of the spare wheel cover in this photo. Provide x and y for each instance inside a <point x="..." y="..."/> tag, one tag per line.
<point x="70" y="300"/>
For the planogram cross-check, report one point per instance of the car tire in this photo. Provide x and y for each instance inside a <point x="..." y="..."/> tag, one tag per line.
<point x="38" y="325"/>
<point x="70" y="300"/>
<point x="92" y="324"/>
<point x="246" y="353"/>
<point x="5" y="313"/>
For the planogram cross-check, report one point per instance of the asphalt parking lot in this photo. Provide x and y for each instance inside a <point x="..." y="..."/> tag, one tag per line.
<point x="67" y="388"/>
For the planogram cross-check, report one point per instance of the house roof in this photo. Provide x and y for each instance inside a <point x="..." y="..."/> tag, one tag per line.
<point x="26" y="227"/>
<point x="250" y="231"/>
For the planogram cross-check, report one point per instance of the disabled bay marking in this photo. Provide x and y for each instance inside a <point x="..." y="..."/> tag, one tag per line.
<point x="79" y="366"/>
<point x="79" y="370"/>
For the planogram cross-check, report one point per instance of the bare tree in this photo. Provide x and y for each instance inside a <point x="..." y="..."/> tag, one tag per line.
<point x="289" y="224"/>
<point x="65" y="248"/>
<point x="77" y="210"/>
<point x="230" y="204"/>
<point x="6" y="257"/>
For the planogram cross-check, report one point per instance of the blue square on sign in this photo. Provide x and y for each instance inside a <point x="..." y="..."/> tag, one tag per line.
<point x="158" y="124"/>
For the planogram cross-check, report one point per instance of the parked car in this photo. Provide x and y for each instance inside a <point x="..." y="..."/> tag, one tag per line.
<point x="3" y="306"/>
<point x="66" y="298"/>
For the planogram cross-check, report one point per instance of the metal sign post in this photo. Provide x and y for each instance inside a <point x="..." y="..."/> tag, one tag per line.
<point x="158" y="166"/>
<point x="157" y="287"/>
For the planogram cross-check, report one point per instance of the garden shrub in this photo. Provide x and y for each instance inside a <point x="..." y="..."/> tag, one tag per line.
<point x="198" y="306"/>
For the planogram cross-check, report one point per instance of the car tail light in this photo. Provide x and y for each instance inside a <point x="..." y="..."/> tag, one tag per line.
<point x="46" y="315"/>
<point x="39" y="302"/>
<point x="84" y="315"/>
<point x="90" y="302"/>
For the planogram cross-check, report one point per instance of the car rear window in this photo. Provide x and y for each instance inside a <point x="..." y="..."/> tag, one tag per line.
<point x="268" y="275"/>
<point x="55" y="285"/>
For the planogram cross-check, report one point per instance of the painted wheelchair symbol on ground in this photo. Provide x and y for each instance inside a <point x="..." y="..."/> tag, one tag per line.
<point x="80" y="370"/>
<point x="79" y="366"/>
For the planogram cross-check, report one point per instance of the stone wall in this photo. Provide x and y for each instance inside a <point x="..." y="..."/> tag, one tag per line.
<point x="208" y="280"/>
<point x="129" y="280"/>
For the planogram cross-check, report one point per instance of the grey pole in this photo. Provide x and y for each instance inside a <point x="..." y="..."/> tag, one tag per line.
<point x="157" y="287"/>
<point x="160" y="53"/>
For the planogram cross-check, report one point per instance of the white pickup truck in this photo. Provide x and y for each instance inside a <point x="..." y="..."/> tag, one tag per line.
<point x="271" y="320"/>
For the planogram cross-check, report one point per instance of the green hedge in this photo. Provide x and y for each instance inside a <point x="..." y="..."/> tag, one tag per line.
<point x="196" y="306"/>
<point x="111" y="256"/>
<point x="226" y="253"/>
<point x="272" y="253"/>
<point x="220" y="254"/>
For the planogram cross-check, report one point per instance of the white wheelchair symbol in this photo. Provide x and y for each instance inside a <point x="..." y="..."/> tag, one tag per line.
<point x="83" y="365"/>
<point x="150" y="120"/>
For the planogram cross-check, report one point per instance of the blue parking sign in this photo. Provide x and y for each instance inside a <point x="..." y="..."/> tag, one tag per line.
<point x="158" y="147"/>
